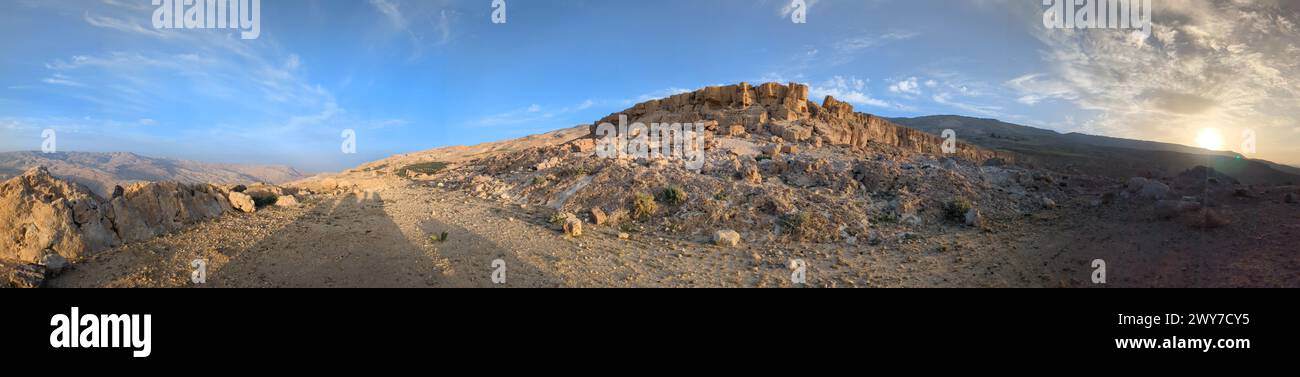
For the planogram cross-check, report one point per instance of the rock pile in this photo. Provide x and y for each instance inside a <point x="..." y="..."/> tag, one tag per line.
<point x="48" y="220"/>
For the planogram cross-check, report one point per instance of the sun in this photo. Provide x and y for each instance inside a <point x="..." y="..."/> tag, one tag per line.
<point x="1210" y="138"/>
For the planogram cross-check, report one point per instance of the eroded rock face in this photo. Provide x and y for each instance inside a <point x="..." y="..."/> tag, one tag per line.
<point x="785" y="111"/>
<point x="242" y="202"/>
<point x="42" y="217"/>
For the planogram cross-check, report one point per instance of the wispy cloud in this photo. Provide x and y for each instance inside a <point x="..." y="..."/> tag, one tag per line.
<point x="1207" y="64"/>
<point x="849" y="89"/>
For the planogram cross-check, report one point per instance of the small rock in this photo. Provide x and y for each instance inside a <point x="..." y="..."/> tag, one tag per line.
<point x="1290" y="198"/>
<point x="242" y="202"/>
<point x="736" y="130"/>
<point x="54" y="263"/>
<point x="973" y="218"/>
<point x="726" y="237"/>
<point x="624" y="235"/>
<point x="1049" y="203"/>
<point x="790" y="149"/>
<point x="598" y="216"/>
<point x="572" y="227"/>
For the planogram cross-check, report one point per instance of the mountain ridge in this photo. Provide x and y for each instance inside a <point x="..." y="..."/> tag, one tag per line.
<point x="1103" y="155"/>
<point x="101" y="171"/>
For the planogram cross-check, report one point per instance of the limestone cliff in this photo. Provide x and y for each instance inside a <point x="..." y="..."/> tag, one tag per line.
<point x="786" y="112"/>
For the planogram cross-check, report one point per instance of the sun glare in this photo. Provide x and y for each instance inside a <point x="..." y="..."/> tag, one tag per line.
<point x="1210" y="138"/>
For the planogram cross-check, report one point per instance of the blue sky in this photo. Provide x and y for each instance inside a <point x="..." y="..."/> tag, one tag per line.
<point x="413" y="75"/>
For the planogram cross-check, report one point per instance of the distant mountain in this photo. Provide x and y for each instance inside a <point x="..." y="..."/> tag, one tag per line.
<point x="101" y="171"/>
<point x="1100" y="154"/>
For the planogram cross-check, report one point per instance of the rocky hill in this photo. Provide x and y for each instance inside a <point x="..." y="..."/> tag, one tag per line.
<point x="102" y="171"/>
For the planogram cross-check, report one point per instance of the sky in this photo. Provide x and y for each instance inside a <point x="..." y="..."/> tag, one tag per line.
<point x="411" y="75"/>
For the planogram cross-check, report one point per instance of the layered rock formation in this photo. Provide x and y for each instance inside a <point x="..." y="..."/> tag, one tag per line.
<point x="786" y="112"/>
<point x="42" y="216"/>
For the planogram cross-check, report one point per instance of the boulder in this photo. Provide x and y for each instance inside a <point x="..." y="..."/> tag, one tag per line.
<point x="1154" y="190"/>
<point x="1136" y="184"/>
<point x="54" y="263"/>
<point x="726" y="237"/>
<point x="582" y="145"/>
<point x="572" y="227"/>
<point x="736" y="130"/>
<point x="286" y="201"/>
<point x="598" y="216"/>
<point x="974" y="218"/>
<point x="242" y="202"/>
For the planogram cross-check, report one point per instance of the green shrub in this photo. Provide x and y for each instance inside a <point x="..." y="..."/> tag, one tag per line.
<point x="421" y="168"/>
<point x="539" y="179"/>
<point x="955" y="209"/>
<point x="800" y="225"/>
<point x="673" y="196"/>
<point x="762" y="157"/>
<point x="558" y="218"/>
<point x="643" y="206"/>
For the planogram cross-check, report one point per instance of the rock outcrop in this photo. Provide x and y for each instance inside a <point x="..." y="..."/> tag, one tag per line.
<point x="784" y="111"/>
<point x="42" y="217"/>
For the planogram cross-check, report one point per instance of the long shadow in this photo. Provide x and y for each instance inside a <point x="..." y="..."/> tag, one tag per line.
<point x="471" y="257"/>
<point x="352" y="242"/>
<point x="346" y="242"/>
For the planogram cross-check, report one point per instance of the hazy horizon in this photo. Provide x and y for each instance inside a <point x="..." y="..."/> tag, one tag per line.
<point x="414" y="75"/>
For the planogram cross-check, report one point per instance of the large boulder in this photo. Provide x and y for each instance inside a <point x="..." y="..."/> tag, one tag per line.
<point x="242" y="202"/>
<point x="38" y="215"/>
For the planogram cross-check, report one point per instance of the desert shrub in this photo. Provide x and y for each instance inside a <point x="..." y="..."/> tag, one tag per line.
<point x="421" y="168"/>
<point x="539" y="179"/>
<point x="955" y="209"/>
<point x="762" y="157"/>
<point x="643" y="206"/>
<point x="800" y="225"/>
<point x="558" y="218"/>
<point x="672" y="196"/>
<point x="440" y="237"/>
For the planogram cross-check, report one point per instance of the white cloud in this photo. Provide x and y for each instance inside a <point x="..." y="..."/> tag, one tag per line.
<point x="849" y="89"/>
<point x="981" y="110"/>
<point x="908" y="86"/>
